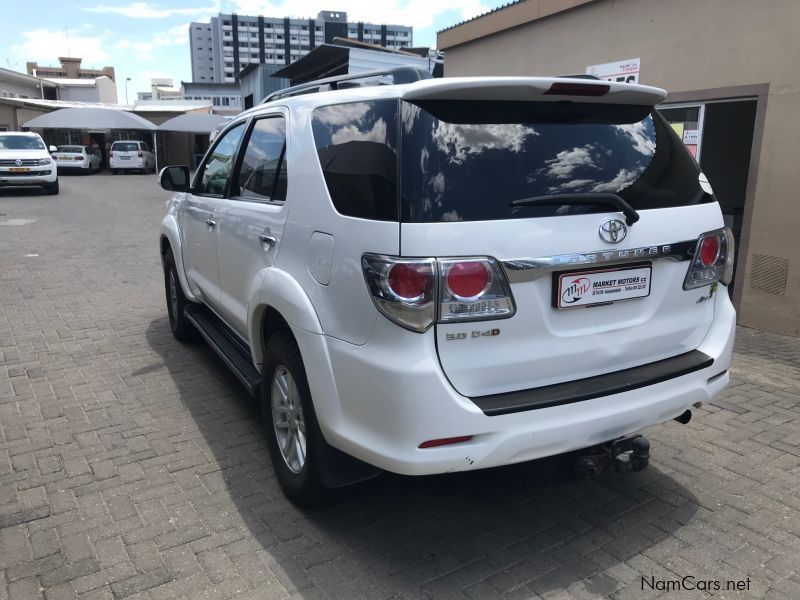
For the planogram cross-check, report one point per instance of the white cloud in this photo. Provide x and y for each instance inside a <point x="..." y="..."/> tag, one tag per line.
<point x="351" y="133"/>
<point x="457" y="141"/>
<point x="567" y="161"/>
<point x="417" y="13"/>
<point x="45" y="45"/>
<point x="146" y="10"/>
<point x="642" y="134"/>
<point x="623" y="179"/>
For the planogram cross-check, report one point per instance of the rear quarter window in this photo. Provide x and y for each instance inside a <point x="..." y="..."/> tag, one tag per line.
<point x="357" y="149"/>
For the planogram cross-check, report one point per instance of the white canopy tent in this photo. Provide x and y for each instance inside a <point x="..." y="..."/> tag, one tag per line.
<point x="193" y="123"/>
<point x="91" y="117"/>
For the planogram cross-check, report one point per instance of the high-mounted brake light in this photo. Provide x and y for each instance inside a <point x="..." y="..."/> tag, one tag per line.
<point x="563" y="88"/>
<point x="415" y="292"/>
<point x="712" y="260"/>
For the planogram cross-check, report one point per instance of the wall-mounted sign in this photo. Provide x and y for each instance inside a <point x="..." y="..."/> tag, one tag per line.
<point x="691" y="136"/>
<point x="98" y="130"/>
<point x="623" y="71"/>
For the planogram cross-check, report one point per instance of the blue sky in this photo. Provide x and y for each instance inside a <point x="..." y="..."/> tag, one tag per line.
<point x="150" y="39"/>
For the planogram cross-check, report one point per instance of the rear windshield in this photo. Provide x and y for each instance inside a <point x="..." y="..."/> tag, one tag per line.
<point x="469" y="160"/>
<point x="75" y="149"/>
<point x="125" y="147"/>
<point x="20" y="142"/>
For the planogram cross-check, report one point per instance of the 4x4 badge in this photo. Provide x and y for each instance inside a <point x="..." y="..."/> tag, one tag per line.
<point x="613" y="231"/>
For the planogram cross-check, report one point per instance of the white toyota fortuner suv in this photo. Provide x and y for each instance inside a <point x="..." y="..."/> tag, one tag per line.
<point x="453" y="274"/>
<point x="26" y="161"/>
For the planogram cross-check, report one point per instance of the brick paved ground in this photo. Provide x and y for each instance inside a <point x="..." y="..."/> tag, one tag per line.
<point x="134" y="467"/>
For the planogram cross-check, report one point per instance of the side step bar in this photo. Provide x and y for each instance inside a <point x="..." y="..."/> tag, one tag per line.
<point x="231" y="349"/>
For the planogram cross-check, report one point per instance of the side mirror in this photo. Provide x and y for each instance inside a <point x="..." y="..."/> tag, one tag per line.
<point x="53" y="149"/>
<point x="174" y="179"/>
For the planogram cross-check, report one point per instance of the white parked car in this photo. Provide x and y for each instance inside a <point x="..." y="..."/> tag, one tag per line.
<point x="453" y="274"/>
<point x="77" y="158"/>
<point x="26" y="161"/>
<point x="131" y="156"/>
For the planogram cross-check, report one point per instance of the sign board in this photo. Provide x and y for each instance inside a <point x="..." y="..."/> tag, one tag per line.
<point x="691" y="136"/>
<point x="623" y="71"/>
<point x="98" y="130"/>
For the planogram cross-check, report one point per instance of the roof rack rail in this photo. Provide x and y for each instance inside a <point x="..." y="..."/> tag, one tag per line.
<point x="399" y="75"/>
<point x="580" y="76"/>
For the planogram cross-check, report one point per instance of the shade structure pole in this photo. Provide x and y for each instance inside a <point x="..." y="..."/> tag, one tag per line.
<point x="155" y="149"/>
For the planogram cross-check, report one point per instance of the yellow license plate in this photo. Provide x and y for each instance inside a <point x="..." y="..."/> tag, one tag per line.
<point x="19" y="169"/>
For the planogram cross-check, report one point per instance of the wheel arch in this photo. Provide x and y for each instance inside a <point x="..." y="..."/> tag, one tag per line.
<point x="170" y="241"/>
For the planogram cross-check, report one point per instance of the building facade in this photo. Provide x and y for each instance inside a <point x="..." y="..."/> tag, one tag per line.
<point x="70" y="69"/>
<point x="730" y="67"/>
<point x="222" y="48"/>
<point x="225" y="98"/>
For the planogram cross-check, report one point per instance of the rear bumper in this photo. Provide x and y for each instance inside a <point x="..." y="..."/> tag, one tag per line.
<point x="390" y="395"/>
<point x="134" y="163"/>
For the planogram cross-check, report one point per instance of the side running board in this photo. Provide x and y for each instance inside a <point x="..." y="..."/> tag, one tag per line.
<point x="231" y="349"/>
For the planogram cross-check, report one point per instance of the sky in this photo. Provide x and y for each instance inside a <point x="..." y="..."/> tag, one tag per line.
<point x="142" y="40"/>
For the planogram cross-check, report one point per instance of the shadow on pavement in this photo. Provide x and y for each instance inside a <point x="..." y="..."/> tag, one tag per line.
<point x="524" y="529"/>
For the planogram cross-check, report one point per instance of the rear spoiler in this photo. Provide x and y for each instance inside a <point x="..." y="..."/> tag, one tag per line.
<point x="552" y="89"/>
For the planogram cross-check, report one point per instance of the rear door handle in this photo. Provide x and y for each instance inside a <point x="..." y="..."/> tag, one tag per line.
<point x="211" y="222"/>
<point x="267" y="239"/>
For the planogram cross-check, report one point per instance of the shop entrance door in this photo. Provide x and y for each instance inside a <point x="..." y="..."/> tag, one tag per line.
<point x="720" y="136"/>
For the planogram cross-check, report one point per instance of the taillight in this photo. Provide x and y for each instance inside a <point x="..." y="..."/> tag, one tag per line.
<point x="402" y="289"/>
<point x="415" y="292"/>
<point x="712" y="260"/>
<point x="140" y="153"/>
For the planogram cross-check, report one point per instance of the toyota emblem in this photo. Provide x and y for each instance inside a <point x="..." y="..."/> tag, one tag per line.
<point x="18" y="162"/>
<point x="613" y="231"/>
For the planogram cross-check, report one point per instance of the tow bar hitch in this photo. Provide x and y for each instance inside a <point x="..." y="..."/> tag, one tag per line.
<point x="628" y="454"/>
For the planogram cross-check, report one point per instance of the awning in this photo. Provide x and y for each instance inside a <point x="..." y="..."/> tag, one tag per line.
<point x="90" y="118"/>
<point x="193" y="123"/>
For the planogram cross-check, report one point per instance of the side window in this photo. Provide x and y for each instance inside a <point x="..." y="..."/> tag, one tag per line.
<point x="145" y="147"/>
<point x="213" y="176"/>
<point x="357" y="150"/>
<point x="262" y="175"/>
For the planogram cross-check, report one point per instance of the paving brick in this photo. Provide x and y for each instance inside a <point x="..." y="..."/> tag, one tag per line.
<point x="134" y="466"/>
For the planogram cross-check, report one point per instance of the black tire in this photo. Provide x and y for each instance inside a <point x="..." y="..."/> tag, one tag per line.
<point x="52" y="188"/>
<point x="302" y="486"/>
<point x="182" y="329"/>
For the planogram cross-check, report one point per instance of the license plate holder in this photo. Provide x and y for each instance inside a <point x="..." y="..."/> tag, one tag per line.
<point x="19" y="170"/>
<point x="592" y="287"/>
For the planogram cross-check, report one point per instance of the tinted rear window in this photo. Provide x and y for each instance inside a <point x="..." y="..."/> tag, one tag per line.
<point x="467" y="161"/>
<point x="125" y="147"/>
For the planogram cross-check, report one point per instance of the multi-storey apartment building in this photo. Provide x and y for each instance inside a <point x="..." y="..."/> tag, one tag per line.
<point x="222" y="48"/>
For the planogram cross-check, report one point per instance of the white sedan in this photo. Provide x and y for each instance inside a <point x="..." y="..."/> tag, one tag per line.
<point x="77" y="158"/>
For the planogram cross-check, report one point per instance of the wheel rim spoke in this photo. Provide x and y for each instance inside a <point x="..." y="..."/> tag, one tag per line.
<point x="287" y="418"/>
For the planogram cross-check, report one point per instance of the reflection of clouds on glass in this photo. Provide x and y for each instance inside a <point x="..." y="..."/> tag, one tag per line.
<point x="458" y="141"/>
<point x="423" y="160"/>
<point x="409" y="115"/>
<point x="437" y="183"/>
<point x="351" y="133"/>
<point x="341" y="114"/>
<point x="451" y="215"/>
<point x="567" y="161"/>
<point x="642" y="134"/>
<point x="571" y="186"/>
<point x="623" y="179"/>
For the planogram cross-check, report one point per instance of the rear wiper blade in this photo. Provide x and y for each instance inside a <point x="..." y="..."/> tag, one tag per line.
<point x="607" y="199"/>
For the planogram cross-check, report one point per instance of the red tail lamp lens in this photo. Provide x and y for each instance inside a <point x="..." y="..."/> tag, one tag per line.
<point x="709" y="250"/>
<point x="409" y="281"/>
<point x="445" y="441"/>
<point x="468" y="279"/>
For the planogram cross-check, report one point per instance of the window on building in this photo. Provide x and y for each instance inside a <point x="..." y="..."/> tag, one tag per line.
<point x="226" y="101"/>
